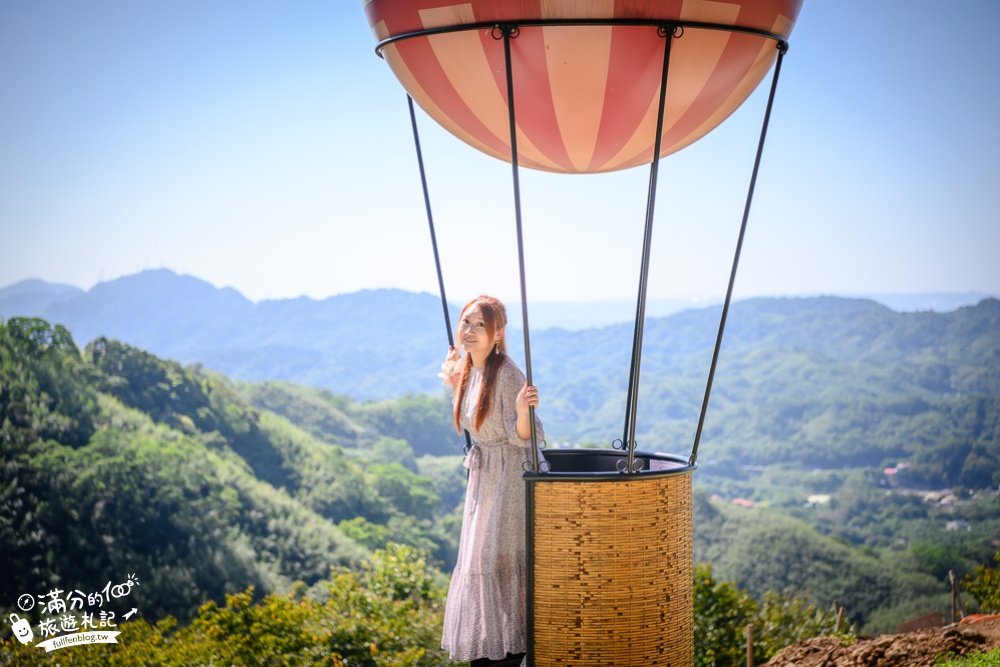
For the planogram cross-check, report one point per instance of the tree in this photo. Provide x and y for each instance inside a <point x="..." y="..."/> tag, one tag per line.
<point x="721" y="614"/>
<point x="985" y="586"/>
<point x="408" y="492"/>
<point x="394" y="450"/>
<point x="44" y="391"/>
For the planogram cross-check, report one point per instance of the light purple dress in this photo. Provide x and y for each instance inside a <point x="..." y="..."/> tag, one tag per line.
<point x="485" y="613"/>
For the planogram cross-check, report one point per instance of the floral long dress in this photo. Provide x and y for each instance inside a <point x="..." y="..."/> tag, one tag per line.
<point x="485" y="613"/>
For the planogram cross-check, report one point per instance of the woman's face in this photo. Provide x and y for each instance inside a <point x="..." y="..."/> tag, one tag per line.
<point x="473" y="333"/>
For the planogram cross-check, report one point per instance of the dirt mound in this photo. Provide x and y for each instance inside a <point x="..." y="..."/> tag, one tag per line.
<point x="912" y="649"/>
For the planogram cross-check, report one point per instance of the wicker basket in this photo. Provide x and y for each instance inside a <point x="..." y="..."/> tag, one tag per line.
<point x="610" y="564"/>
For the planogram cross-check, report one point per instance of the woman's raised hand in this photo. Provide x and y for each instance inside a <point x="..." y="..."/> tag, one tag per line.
<point x="449" y="369"/>
<point x="527" y="397"/>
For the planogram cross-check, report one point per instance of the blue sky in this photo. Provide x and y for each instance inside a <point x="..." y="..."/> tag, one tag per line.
<point x="263" y="146"/>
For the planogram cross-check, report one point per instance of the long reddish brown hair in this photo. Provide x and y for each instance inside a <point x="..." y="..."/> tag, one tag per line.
<point x="495" y="318"/>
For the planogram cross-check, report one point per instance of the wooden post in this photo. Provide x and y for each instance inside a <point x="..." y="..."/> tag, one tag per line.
<point x="954" y="597"/>
<point x="750" y="645"/>
<point x="840" y="615"/>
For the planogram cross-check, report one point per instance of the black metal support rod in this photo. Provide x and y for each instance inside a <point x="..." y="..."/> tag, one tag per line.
<point x="430" y="221"/>
<point x="434" y="245"/>
<point x="529" y="571"/>
<point x="782" y="49"/>
<point x="632" y="403"/>
<point x="508" y="31"/>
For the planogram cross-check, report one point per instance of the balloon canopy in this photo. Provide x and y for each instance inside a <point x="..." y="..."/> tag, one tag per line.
<point x="586" y="74"/>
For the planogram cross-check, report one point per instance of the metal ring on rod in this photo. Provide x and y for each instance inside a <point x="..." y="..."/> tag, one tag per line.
<point x="658" y="23"/>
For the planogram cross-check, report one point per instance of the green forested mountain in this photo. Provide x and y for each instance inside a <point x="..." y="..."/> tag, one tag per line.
<point x="885" y="558"/>
<point x="117" y="460"/>
<point x="821" y="382"/>
<point x="816" y="382"/>
<point x="814" y="400"/>
<point x="343" y="343"/>
<point x="881" y="549"/>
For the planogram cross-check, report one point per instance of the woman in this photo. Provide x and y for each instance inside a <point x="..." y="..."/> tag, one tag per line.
<point x="484" y="618"/>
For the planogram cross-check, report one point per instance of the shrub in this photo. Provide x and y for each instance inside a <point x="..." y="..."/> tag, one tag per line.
<point x="388" y="614"/>
<point x="985" y="586"/>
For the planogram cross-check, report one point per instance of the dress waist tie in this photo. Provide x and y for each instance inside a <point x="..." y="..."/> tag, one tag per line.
<point x="474" y="458"/>
<point x="473" y="461"/>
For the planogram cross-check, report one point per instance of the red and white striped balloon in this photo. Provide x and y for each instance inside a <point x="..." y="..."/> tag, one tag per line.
<point x="585" y="96"/>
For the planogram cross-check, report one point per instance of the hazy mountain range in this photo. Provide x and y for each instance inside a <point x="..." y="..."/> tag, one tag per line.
<point x="369" y="344"/>
<point x="387" y="343"/>
<point x="813" y="397"/>
<point x="34" y="297"/>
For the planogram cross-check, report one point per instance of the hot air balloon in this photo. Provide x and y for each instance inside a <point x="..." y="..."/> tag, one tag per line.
<point x="590" y="86"/>
<point x="586" y="74"/>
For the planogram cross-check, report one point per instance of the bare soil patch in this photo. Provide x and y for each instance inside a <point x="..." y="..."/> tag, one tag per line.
<point x="920" y="648"/>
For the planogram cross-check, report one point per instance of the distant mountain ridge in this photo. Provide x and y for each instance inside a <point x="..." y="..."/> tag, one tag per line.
<point x="386" y="343"/>
<point x="34" y="297"/>
<point x="320" y="343"/>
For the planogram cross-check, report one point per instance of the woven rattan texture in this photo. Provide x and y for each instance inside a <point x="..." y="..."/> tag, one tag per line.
<point x="613" y="572"/>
